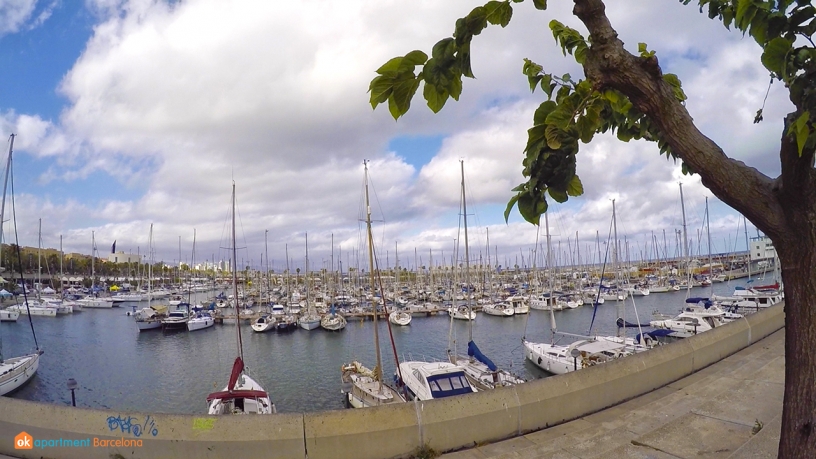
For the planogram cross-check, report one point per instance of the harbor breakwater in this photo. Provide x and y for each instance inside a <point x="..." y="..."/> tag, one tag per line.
<point x="386" y="432"/>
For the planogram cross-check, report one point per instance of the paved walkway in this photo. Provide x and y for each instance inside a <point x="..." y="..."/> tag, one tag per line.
<point x="714" y="413"/>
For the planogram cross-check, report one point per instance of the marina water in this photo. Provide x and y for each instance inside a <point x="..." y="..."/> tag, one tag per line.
<point x="119" y="368"/>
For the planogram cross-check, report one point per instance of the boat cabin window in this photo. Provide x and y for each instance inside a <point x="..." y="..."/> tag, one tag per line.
<point x="449" y="384"/>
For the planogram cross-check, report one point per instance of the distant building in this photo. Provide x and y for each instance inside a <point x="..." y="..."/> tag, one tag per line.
<point x="122" y="257"/>
<point x="762" y="248"/>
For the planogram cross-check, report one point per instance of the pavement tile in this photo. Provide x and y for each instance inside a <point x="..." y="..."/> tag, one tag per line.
<point x="746" y="403"/>
<point x="631" y="451"/>
<point x="764" y="444"/>
<point x="558" y="434"/>
<point x="698" y="436"/>
<point x="471" y="453"/>
<point x="593" y="442"/>
<point x="709" y="414"/>
<point x="506" y="446"/>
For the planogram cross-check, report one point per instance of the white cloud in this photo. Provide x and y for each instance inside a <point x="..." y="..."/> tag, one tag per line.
<point x="14" y="13"/>
<point x="178" y="100"/>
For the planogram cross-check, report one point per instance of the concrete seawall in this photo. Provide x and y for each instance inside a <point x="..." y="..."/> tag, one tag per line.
<point x="394" y="431"/>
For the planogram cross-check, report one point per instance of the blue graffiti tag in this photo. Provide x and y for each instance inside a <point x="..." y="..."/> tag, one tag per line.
<point x="131" y="425"/>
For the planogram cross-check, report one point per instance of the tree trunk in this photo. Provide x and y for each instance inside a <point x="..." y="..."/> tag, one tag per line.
<point x="785" y="208"/>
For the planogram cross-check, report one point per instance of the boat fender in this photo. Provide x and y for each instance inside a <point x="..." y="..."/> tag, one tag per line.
<point x="539" y="360"/>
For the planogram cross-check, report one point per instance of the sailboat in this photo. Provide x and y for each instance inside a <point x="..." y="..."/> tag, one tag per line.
<point x="95" y="301"/>
<point x="479" y="369"/>
<point x="366" y="387"/>
<point x="15" y="371"/>
<point x="588" y="350"/>
<point x="242" y="395"/>
<point x="311" y="319"/>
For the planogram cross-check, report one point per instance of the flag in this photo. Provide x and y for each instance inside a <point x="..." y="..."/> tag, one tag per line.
<point x="113" y="247"/>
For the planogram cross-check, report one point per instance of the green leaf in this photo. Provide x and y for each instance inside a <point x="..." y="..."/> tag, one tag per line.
<point x="773" y="57"/>
<point x="400" y="100"/>
<point x="560" y="117"/>
<point x="553" y="136"/>
<point x="444" y="49"/>
<point x="380" y="88"/>
<point x="540" y="116"/>
<point x="391" y="66"/>
<point x="558" y="195"/>
<point x="414" y="58"/>
<point x="436" y="97"/>
<point x="499" y="13"/>
<point x="527" y="207"/>
<point x="674" y="82"/>
<point x="510" y="206"/>
<point x="540" y="4"/>
<point x="801" y="130"/>
<point x="746" y="9"/>
<point x="574" y="187"/>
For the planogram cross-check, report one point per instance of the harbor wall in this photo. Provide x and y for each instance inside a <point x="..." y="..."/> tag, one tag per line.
<point x="387" y="432"/>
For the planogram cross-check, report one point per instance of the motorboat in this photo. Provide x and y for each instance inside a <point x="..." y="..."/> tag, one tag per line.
<point x="699" y="315"/>
<point x="200" y="320"/>
<point x="175" y="320"/>
<point x="150" y="318"/>
<point x="34" y="308"/>
<point x="461" y="313"/>
<point x="263" y="323"/>
<point x="432" y="380"/>
<point x="519" y="305"/>
<point x="399" y="318"/>
<point x="8" y="316"/>
<point x="499" y="309"/>
<point x="95" y="302"/>
<point x="286" y="323"/>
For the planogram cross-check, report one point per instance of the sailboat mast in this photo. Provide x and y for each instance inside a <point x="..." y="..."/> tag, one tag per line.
<point x="467" y="255"/>
<point x="621" y="304"/>
<point x="5" y="185"/>
<point x="235" y="280"/>
<point x="378" y="368"/>
<point x="708" y="235"/>
<point x="266" y="256"/>
<point x="685" y="243"/>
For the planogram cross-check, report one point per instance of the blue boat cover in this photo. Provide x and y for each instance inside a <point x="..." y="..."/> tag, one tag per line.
<point x="654" y="334"/>
<point x="473" y="351"/>
<point x="706" y="302"/>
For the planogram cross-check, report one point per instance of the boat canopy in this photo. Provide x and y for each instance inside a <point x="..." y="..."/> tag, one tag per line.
<point x="448" y="384"/>
<point x="706" y="302"/>
<point x="227" y="395"/>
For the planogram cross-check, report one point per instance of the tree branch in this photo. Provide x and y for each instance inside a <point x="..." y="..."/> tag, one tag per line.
<point x="609" y="65"/>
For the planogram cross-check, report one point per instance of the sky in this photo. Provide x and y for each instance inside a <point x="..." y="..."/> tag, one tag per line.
<point x="139" y="114"/>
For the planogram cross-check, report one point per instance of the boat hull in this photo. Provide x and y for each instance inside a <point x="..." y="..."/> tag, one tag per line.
<point x="17" y="371"/>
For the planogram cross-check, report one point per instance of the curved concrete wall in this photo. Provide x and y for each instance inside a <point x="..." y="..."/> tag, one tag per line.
<point x="394" y="431"/>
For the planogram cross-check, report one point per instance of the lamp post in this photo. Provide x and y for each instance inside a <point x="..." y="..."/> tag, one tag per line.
<point x="72" y="385"/>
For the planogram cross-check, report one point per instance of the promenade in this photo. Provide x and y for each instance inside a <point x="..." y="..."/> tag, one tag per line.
<point x="714" y="413"/>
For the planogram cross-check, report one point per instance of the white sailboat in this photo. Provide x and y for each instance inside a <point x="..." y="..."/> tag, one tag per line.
<point x="479" y="369"/>
<point x="15" y="371"/>
<point x="242" y="395"/>
<point x="94" y="301"/>
<point x="311" y="319"/>
<point x="364" y="387"/>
